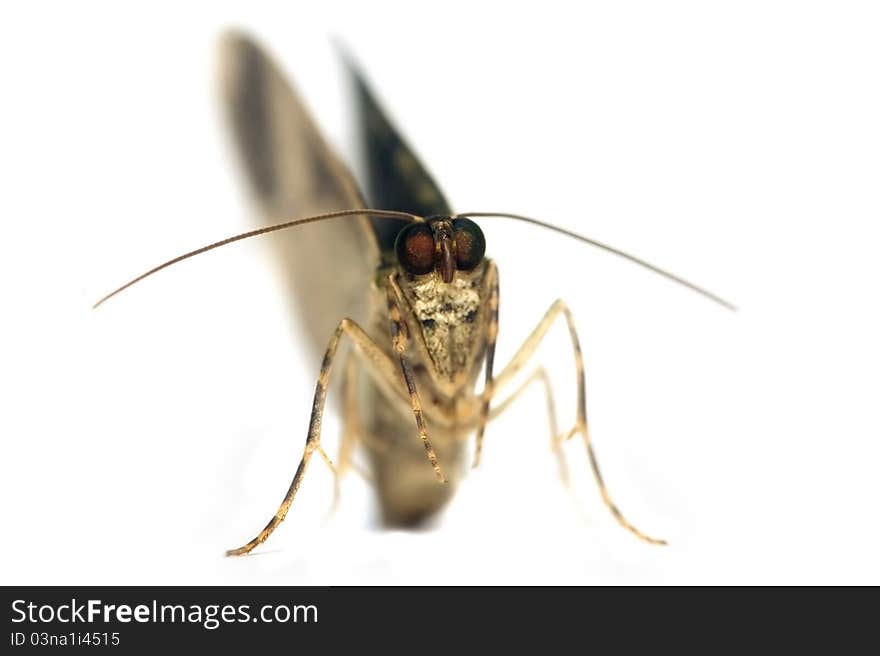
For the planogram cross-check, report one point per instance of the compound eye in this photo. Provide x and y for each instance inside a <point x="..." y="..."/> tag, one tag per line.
<point x="415" y="248"/>
<point x="470" y="244"/>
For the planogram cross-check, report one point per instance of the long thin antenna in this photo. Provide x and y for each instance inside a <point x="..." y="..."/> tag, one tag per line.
<point x="568" y="233"/>
<point x="261" y="231"/>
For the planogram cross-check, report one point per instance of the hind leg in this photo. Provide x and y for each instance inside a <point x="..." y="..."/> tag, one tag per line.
<point x="383" y="368"/>
<point x="518" y="361"/>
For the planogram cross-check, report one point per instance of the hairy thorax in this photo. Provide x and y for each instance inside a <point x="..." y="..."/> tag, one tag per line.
<point x="449" y="316"/>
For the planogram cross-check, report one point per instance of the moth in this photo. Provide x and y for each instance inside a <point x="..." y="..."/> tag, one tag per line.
<point x="402" y="278"/>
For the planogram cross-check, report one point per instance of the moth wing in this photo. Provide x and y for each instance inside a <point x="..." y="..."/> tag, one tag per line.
<point x="395" y="178"/>
<point x="328" y="266"/>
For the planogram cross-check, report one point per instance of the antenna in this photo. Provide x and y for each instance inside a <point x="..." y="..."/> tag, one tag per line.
<point x="592" y="242"/>
<point x="389" y="214"/>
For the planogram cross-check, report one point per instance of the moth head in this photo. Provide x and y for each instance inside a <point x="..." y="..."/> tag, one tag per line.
<point x="440" y="244"/>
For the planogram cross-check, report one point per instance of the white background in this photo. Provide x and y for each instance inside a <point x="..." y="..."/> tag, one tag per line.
<point x="737" y="145"/>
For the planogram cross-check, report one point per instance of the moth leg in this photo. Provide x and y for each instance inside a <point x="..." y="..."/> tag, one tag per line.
<point x="400" y="343"/>
<point x="353" y="430"/>
<point x="556" y="439"/>
<point x="365" y="347"/>
<point x="352" y="433"/>
<point x="519" y="360"/>
<point x="491" y="339"/>
<point x="350" y="430"/>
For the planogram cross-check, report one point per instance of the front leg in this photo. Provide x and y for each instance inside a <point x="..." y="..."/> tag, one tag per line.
<point x="400" y="343"/>
<point x="491" y="341"/>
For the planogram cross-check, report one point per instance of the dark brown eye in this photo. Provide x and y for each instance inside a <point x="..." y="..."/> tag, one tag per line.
<point x="470" y="245"/>
<point x="415" y="248"/>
